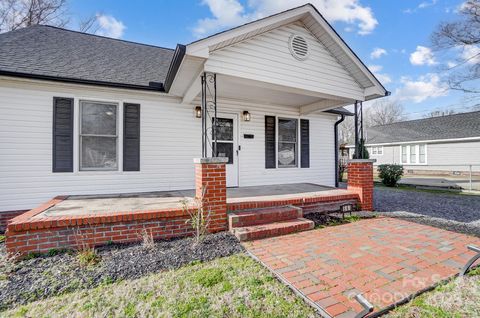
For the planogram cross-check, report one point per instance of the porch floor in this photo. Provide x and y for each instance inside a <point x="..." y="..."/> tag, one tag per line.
<point x="79" y="205"/>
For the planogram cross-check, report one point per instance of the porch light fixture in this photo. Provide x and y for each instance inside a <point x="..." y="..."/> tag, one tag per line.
<point x="246" y="116"/>
<point x="198" y="112"/>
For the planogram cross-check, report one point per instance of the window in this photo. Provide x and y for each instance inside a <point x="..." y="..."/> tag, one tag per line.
<point x="404" y="154"/>
<point x="378" y="150"/>
<point x="287" y="143"/>
<point x="413" y="154"/>
<point x="98" y="136"/>
<point x="422" y="154"/>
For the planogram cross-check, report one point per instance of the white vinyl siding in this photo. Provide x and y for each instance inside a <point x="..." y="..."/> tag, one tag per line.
<point x="166" y="152"/>
<point x="267" y="58"/>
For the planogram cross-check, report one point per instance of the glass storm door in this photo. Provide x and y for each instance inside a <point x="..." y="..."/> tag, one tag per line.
<point x="227" y="145"/>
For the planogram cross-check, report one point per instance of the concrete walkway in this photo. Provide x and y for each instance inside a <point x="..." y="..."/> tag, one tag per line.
<point x="387" y="260"/>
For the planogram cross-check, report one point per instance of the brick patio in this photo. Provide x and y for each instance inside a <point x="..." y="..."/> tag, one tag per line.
<point x="385" y="259"/>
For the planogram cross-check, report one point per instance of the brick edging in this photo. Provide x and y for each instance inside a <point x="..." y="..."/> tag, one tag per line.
<point x="236" y="206"/>
<point x="24" y="221"/>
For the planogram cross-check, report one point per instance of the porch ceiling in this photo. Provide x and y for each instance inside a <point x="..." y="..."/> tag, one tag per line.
<point x="239" y="89"/>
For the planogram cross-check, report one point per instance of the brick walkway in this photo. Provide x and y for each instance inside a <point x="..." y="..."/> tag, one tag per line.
<point x="385" y="259"/>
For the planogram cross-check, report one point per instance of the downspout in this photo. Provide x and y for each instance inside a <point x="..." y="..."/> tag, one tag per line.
<point x="342" y="118"/>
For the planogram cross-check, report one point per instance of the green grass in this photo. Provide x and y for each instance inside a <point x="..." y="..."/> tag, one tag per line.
<point x="458" y="298"/>
<point x="2" y="238"/>
<point x="234" y="286"/>
<point x="401" y="187"/>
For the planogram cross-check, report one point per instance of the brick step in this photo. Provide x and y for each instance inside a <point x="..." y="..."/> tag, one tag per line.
<point x="263" y="216"/>
<point x="256" y="232"/>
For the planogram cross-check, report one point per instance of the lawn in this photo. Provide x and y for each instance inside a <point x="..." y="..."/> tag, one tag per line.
<point x="234" y="286"/>
<point x="456" y="299"/>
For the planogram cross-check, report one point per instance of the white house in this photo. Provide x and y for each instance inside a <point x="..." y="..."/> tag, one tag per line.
<point x="444" y="145"/>
<point x="84" y="114"/>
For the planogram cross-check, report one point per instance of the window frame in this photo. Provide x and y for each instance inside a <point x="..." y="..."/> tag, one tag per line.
<point x="116" y="136"/>
<point x="375" y="150"/>
<point x="297" y="142"/>
<point x="408" y="148"/>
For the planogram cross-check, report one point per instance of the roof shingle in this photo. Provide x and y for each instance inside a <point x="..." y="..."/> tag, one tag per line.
<point x="54" y="52"/>
<point x="462" y="125"/>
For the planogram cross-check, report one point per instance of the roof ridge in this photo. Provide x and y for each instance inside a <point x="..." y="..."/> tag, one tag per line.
<point x="426" y="119"/>
<point x="96" y="35"/>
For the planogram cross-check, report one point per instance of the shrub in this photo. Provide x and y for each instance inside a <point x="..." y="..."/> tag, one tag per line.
<point x="148" y="242"/>
<point x="390" y="174"/>
<point x="88" y="256"/>
<point x="363" y="151"/>
<point x="199" y="217"/>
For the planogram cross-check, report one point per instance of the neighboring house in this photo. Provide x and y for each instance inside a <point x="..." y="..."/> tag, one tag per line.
<point x="438" y="145"/>
<point x="84" y="114"/>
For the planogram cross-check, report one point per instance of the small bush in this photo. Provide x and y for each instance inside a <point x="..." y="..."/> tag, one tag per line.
<point x="390" y="174"/>
<point x="148" y="242"/>
<point x="88" y="257"/>
<point x="200" y="216"/>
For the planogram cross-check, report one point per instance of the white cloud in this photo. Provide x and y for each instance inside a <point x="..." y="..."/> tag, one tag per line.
<point x="471" y="54"/>
<point x="427" y="4"/>
<point x="422" y="5"/>
<point x="382" y="77"/>
<point x="230" y="13"/>
<point x="109" y="26"/>
<point x="422" y="56"/>
<point x="377" y="53"/>
<point x="426" y="86"/>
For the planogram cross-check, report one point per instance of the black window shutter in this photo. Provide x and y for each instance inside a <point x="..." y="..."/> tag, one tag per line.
<point x="305" y="143"/>
<point x="131" y="137"/>
<point x="270" y="142"/>
<point x="62" y="143"/>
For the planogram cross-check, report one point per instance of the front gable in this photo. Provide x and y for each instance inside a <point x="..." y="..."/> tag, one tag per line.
<point x="268" y="57"/>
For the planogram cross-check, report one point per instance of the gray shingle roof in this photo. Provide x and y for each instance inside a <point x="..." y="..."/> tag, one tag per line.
<point x="461" y="125"/>
<point x="53" y="52"/>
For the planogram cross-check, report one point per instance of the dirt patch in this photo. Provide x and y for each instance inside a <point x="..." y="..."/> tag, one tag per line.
<point x="42" y="277"/>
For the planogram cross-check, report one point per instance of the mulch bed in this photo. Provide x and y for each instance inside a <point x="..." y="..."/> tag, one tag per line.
<point x="44" y="276"/>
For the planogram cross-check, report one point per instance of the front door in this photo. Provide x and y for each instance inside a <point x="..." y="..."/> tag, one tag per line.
<point x="227" y="145"/>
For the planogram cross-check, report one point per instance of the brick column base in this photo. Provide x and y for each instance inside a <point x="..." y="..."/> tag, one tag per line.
<point x="211" y="190"/>
<point x="360" y="181"/>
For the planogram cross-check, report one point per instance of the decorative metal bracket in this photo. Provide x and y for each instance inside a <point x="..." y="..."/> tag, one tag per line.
<point x="472" y="260"/>
<point x="209" y="114"/>
<point x="367" y="307"/>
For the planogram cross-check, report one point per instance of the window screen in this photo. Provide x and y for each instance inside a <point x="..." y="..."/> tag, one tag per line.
<point x="287" y="143"/>
<point x="98" y="136"/>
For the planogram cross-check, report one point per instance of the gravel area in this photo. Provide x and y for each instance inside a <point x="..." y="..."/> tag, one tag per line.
<point x="43" y="277"/>
<point x="453" y="207"/>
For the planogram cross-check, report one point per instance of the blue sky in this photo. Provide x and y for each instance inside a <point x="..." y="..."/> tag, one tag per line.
<point x="392" y="37"/>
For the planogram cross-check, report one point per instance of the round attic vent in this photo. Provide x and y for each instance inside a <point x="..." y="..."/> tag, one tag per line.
<point x="298" y="47"/>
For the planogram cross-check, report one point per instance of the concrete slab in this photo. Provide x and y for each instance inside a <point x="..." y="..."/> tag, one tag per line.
<point x="161" y="200"/>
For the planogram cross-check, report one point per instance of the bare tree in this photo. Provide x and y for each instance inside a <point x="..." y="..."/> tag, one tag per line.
<point x="439" y="113"/>
<point x="384" y="112"/>
<point x="347" y="130"/>
<point x="463" y="34"/>
<point x="15" y="14"/>
<point x="89" y="25"/>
